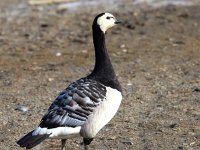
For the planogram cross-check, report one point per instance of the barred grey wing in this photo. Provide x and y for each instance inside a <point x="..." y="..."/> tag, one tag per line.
<point x="74" y="104"/>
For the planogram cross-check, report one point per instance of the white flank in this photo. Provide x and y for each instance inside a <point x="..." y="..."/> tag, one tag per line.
<point x="102" y="114"/>
<point x="104" y="23"/>
<point x="59" y="132"/>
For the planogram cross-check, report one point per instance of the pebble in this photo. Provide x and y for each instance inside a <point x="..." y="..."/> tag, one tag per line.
<point x="22" y="108"/>
<point x="58" y="54"/>
<point x="111" y="138"/>
<point x="122" y="46"/>
<point x="84" y="51"/>
<point x="192" y="143"/>
<point x="124" y="50"/>
<point x="129" y="83"/>
<point x="127" y="142"/>
<point x="50" y="79"/>
<point x="173" y="126"/>
<point x="196" y="89"/>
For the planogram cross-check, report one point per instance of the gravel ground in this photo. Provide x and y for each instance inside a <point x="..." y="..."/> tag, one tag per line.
<point x="155" y="54"/>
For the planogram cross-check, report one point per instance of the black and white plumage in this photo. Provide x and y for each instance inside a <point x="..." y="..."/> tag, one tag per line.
<point x="88" y="104"/>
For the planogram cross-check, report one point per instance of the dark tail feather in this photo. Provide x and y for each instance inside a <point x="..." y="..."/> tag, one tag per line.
<point x="29" y="141"/>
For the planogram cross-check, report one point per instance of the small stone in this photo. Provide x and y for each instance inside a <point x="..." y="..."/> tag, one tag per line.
<point x="180" y="147"/>
<point x="50" y="79"/>
<point x="196" y="89"/>
<point x="22" y="108"/>
<point x="127" y="142"/>
<point x="58" y="54"/>
<point x="84" y="51"/>
<point x="44" y="25"/>
<point x="112" y="138"/>
<point x="129" y="83"/>
<point x="174" y="125"/>
<point x="192" y="143"/>
<point x="122" y="46"/>
<point x="124" y="50"/>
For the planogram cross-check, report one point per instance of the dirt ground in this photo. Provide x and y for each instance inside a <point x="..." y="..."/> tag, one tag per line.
<point x="156" y="54"/>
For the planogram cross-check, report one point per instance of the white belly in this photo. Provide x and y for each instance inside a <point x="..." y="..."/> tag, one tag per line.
<point x="102" y="114"/>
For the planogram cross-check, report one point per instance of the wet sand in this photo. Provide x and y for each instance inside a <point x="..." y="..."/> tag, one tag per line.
<point x="155" y="54"/>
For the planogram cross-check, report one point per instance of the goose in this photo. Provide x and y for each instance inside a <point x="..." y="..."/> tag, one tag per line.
<point x="87" y="105"/>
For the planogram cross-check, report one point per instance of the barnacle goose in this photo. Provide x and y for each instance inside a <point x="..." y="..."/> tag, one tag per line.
<point x="88" y="104"/>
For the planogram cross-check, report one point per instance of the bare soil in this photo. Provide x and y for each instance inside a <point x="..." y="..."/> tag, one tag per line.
<point x="156" y="54"/>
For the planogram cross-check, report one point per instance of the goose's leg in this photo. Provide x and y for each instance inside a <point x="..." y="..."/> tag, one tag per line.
<point x="86" y="142"/>
<point x="63" y="141"/>
<point x="86" y="147"/>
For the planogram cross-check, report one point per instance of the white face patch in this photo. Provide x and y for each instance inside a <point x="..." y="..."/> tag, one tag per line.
<point x="106" y="21"/>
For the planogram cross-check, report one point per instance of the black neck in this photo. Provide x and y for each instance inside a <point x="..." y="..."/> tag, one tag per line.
<point x="103" y="67"/>
<point x="103" y="71"/>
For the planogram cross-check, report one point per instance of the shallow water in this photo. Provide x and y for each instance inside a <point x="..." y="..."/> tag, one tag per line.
<point x="86" y="3"/>
<point x="160" y="3"/>
<point x="154" y="3"/>
<point x="23" y="9"/>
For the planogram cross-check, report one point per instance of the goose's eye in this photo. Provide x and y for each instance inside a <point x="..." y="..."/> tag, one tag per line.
<point x="108" y="17"/>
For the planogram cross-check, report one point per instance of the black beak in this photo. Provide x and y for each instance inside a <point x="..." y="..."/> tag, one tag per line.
<point x="118" y="22"/>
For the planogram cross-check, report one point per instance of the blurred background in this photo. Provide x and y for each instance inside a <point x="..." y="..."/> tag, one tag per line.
<point x="47" y="44"/>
